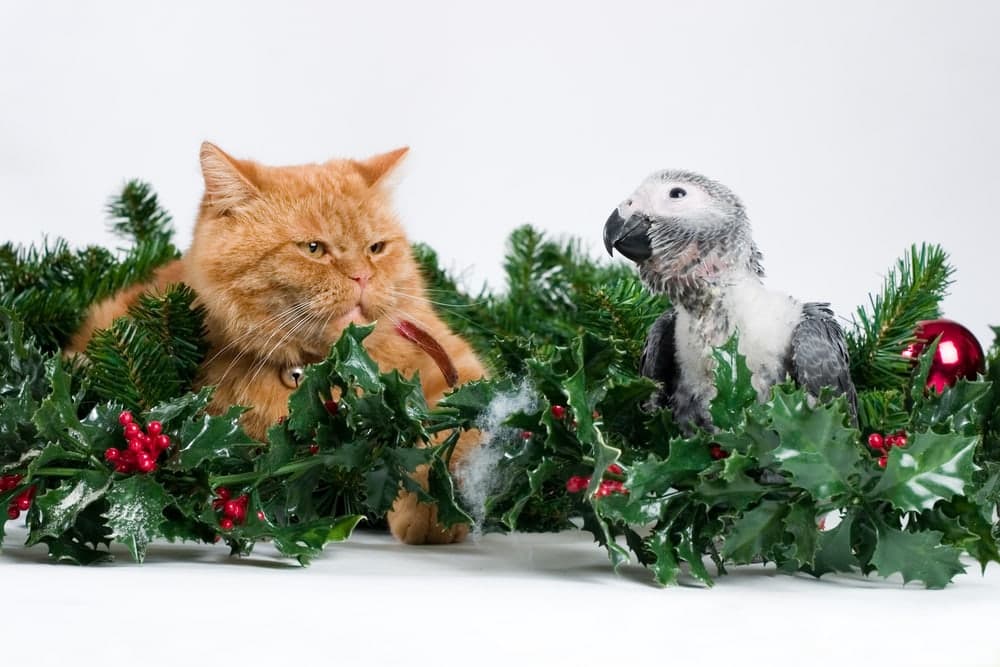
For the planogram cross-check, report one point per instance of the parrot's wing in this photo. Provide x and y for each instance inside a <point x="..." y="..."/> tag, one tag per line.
<point x="659" y="361"/>
<point x="819" y="355"/>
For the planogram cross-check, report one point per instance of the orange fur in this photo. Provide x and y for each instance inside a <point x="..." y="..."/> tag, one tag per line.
<point x="273" y="302"/>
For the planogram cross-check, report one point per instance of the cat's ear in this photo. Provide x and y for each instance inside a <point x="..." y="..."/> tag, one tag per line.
<point x="227" y="186"/>
<point x="374" y="169"/>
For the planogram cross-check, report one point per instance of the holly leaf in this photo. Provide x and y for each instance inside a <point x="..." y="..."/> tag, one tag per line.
<point x="536" y="477"/>
<point x="305" y="541"/>
<point x="815" y="448"/>
<point x="737" y="493"/>
<point x="174" y="412"/>
<point x="210" y="437"/>
<point x="56" y="418"/>
<point x="65" y="549"/>
<point x="58" y="509"/>
<point x="930" y="468"/>
<point x="756" y="533"/>
<point x="916" y="556"/>
<point x="686" y="458"/>
<point x="734" y="392"/>
<point x="800" y="523"/>
<point x="664" y="565"/>
<point x="135" y="512"/>
<point x="835" y="553"/>
<point x="960" y="408"/>
<point x="693" y="556"/>
<point x="441" y="487"/>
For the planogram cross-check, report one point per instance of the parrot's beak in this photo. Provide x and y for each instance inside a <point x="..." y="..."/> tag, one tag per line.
<point x="630" y="237"/>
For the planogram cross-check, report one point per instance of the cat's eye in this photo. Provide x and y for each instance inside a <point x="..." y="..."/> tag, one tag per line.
<point x="677" y="193"/>
<point x="314" y="248"/>
<point x="376" y="248"/>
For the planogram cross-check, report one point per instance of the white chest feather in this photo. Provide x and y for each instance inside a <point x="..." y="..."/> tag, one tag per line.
<point x="765" y="321"/>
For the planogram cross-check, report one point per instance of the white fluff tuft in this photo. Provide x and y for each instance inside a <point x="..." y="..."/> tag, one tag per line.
<point x="477" y="473"/>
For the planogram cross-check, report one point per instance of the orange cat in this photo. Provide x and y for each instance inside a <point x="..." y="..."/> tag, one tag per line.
<point x="283" y="258"/>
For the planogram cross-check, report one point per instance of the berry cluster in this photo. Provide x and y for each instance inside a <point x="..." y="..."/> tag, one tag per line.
<point x="578" y="483"/>
<point x="144" y="448"/>
<point x="882" y="443"/>
<point x="234" y="510"/>
<point x="20" y="502"/>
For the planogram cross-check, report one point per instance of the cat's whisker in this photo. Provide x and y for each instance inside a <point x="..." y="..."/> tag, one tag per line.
<point x="256" y="330"/>
<point x="472" y="322"/>
<point x="423" y="299"/>
<point x="263" y="361"/>
<point x="288" y="319"/>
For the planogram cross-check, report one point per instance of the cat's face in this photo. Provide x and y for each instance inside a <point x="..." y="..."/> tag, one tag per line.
<point x="285" y="257"/>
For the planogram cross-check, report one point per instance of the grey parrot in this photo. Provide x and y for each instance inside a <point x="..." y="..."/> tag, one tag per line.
<point x="691" y="240"/>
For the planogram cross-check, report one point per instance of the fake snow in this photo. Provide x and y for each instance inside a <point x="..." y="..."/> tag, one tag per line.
<point x="476" y="475"/>
<point x="75" y="501"/>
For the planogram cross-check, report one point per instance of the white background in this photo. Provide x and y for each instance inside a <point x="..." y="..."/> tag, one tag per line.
<point x="850" y="129"/>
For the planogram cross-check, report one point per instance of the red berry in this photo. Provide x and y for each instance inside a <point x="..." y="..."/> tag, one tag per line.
<point x="13" y="512"/>
<point x="23" y="502"/>
<point x="615" y="469"/>
<point x="162" y="442"/>
<point x="875" y="441"/>
<point x="154" y="428"/>
<point x="260" y="515"/>
<point x="595" y="414"/>
<point x="718" y="452"/>
<point x="223" y="494"/>
<point x="901" y="440"/>
<point x="883" y="461"/>
<point x="314" y="449"/>
<point x="125" y="418"/>
<point x="226" y="523"/>
<point x="131" y="430"/>
<point x="243" y="500"/>
<point x="558" y="411"/>
<point x="122" y="467"/>
<point x="331" y="407"/>
<point x="145" y="463"/>
<point x="526" y="435"/>
<point x="576" y="483"/>
<point x="111" y="454"/>
<point x="135" y="445"/>
<point x="231" y="508"/>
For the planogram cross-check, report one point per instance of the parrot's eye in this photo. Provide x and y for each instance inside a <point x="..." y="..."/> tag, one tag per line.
<point x="678" y="193"/>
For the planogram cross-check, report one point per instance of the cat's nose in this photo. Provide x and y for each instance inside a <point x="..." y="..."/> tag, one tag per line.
<point x="361" y="279"/>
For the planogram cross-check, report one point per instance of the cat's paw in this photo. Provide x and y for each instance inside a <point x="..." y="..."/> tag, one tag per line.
<point x="414" y="522"/>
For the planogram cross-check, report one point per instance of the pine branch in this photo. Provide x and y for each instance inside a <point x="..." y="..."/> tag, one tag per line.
<point x="153" y="354"/>
<point x="51" y="286"/>
<point x="136" y="214"/>
<point x="911" y="292"/>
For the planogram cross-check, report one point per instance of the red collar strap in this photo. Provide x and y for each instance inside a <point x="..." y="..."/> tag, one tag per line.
<point x="428" y="344"/>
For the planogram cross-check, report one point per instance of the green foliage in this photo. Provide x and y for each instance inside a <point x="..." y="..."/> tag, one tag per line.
<point x="151" y="355"/>
<point x="912" y="291"/>
<point x="50" y="287"/>
<point x="566" y="332"/>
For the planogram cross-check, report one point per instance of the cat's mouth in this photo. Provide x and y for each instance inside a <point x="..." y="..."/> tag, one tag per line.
<point x="355" y="315"/>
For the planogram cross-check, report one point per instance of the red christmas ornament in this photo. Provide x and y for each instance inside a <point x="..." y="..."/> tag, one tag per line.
<point x="958" y="355"/>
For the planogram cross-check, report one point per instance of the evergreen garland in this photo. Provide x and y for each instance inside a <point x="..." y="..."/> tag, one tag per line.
<point x="570" y="443"/>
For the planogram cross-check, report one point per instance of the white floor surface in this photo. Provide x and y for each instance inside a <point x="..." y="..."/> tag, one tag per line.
<point x="518" y="599"/>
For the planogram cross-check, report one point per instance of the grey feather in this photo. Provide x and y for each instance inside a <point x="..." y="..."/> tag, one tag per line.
<point x="818" y="356"/>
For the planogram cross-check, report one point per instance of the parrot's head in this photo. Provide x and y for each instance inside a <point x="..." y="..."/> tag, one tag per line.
<point x="682" y="228"/>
